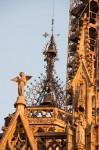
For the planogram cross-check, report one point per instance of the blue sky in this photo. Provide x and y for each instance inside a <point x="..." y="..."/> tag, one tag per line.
<point x="22" y="24"/>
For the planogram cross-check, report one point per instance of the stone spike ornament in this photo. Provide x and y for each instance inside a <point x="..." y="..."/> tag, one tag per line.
<point x="22" y="80"/>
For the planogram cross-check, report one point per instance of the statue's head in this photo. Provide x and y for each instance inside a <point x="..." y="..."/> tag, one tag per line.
<point x="22" y="74"/>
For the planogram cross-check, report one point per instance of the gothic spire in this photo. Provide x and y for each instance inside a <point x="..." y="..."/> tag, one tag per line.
<point x="50" y="54"/>
<point x="49" y="89"/>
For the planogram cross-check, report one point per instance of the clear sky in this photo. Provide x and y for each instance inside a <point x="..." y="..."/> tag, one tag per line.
<point x="22" y="24"/>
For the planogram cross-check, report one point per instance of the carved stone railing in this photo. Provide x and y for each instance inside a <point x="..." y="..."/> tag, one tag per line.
<point x="45" y="114"/>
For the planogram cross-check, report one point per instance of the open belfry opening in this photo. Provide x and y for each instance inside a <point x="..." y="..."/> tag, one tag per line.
<point x="49" y="116"/>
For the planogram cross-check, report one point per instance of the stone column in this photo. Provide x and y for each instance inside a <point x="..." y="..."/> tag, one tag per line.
<point x="69" y="138"/>
<point x="90" y="138"/>
<point x="97" y="136"/>
<point x="89" y="104"/>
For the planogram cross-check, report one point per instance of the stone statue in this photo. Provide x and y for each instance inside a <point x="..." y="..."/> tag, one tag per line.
<point x="80" y="134"/>
<point x="22" y="80"/>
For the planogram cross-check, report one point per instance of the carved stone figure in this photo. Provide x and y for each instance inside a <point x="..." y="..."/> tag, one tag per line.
<point x="80" y="134"/>
<point x="22" y="80"/>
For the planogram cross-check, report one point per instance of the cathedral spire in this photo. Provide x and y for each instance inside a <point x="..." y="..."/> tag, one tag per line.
<point x="50" y="90"/>
<point x="50" y="54"/>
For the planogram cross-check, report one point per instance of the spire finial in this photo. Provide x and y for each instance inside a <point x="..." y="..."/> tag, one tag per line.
<point x="52" y="25"/>
<point x="53" y="19"/>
